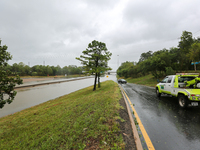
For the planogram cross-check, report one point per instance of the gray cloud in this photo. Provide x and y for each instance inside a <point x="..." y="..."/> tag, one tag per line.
<point x="58" y="31"/>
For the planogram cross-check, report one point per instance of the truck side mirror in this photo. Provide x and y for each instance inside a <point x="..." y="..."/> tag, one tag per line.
<point x="158" y="81"/>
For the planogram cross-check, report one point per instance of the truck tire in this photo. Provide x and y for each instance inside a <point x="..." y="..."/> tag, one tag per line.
<point x="182" y="100"/>
<point x="158" y="94"/>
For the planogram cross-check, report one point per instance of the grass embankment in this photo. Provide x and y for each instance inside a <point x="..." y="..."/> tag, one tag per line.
<point x="80" y="120"/>
<point x="147" y="80"/>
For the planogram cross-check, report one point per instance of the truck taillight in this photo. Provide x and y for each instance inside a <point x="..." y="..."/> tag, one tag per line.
<point x="192" y="94"/>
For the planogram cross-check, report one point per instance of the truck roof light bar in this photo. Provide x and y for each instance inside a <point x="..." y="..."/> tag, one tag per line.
<point x="187" y="73"/>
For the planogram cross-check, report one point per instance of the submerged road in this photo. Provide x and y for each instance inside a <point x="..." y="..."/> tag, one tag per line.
<point x="31" y="96"/>
<point x="168" y="126"/>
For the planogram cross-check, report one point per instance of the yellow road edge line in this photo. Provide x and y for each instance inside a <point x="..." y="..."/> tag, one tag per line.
<point x="134" y="129"/>
<point x="145" y="135"/>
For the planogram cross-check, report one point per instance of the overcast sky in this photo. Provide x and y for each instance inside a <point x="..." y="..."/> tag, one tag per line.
<point x="54" y="32"/>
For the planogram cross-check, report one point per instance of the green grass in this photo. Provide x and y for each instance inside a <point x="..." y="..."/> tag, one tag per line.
<point x="80" y="120"/>
<point x="147" y="80"/>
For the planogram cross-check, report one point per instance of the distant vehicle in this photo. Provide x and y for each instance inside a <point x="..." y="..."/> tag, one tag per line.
<point x="122" y="81"/>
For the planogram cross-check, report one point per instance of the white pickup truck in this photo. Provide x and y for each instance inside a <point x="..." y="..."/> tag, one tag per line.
<point x="184" y="86"/>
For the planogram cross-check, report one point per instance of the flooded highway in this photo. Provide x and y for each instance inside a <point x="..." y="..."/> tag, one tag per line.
<point x="28" y="97"/>
<point x="41" y="81"/>
<point x="168" y="126"/>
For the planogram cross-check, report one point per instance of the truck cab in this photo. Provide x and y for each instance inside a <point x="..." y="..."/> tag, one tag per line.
<point x="183" y="86"/>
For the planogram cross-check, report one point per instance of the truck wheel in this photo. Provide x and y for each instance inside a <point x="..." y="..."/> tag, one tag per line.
<point x="182" y="100"/>
<point x="157" y="93"/>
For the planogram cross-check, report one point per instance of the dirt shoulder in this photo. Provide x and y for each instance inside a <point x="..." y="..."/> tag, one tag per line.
<point x="126" y="129"/>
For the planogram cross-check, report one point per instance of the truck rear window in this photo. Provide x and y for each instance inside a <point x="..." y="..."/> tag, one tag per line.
<point x="182" y="79"/>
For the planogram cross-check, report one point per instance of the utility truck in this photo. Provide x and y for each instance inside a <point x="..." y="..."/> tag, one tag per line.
<point x="184" y="86"/>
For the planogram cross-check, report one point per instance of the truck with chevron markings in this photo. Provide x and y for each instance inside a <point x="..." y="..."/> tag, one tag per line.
<point x="184" y="86"/>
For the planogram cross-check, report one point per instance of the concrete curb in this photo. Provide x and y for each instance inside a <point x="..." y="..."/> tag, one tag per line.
<point x="134" y="129"/>
<point x="46" y="83"/>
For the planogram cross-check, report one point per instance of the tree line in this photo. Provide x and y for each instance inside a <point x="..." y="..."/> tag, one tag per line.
<point x="166" y="61"/>
<point x="95" y="60"/>
<point x="41" y="70"/>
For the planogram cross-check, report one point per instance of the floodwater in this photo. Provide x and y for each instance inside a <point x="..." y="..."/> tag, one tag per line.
<point x="168" y="126"/>
<point x="28" y="97"/>
<point x="50" y="80"/>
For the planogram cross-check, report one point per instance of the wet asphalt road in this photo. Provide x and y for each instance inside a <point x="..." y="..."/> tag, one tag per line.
<point x="168" y="126"/>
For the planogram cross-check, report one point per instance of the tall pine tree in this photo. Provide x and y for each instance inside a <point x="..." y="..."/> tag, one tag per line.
<point x="95" y="59"/>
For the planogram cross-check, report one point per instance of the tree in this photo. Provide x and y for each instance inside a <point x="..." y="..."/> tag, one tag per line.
<point x="7" y="84"/>
<point x="15" y="68"/>
<point x="95" y="59"/>
<point x="125" y="69"/>
<point x="159" y="61"/>
<point x="65" y="70"/>
<point x="185" y="45"/>
<point x="59" y="70"/>
<point x="48" y="70"/>
<point x="145" y="56"/>
<point x="21" y="69"/>
<point x="103" y="66"/>
<point x="175" y="58"/>
<point x="186" y="41"/>
<point x="194" y="53"/>
<point x="27" y="70"/>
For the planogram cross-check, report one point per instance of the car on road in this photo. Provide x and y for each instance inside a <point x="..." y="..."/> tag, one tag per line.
<point x="122" y="81"/>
